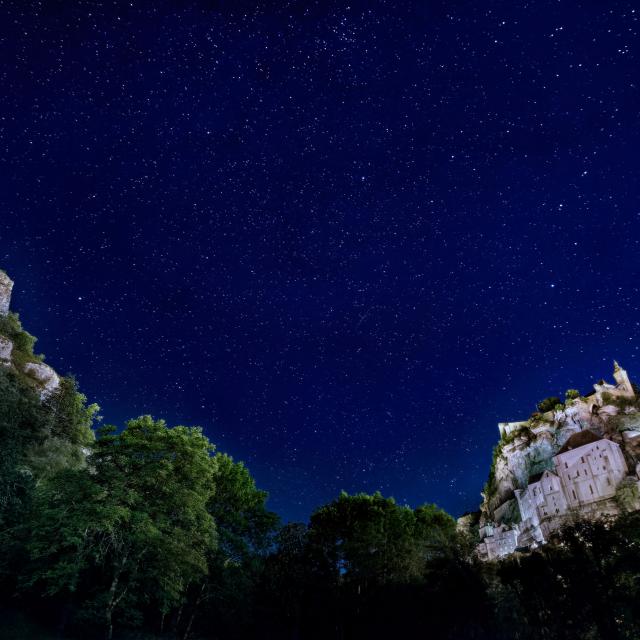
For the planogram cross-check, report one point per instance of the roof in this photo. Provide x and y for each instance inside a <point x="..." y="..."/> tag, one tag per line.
<point x="579" y="439"/>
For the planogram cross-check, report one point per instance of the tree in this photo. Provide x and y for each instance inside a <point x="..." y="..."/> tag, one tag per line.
<point x="245" y="528"/>
<point x="39" y="438"/>
<point x="370" y="563"/>
<point x="370" y="538"/>
<point x="287" y="579"/>
<point x="69" y="432"/>
<point x="135" y="520"/>
<point x="239" y="509"/>
<point x="435" y="532"/>
<point x="23" y="423"/>
<point x="548" y="404"/>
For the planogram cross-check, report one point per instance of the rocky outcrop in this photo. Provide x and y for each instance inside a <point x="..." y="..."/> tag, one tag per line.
<point x="22" y="361"/>
<point x="517" y="462"/>
<point x="527" y="447"/>
<point x="530" y="449"/>
<point x="528" y="455"/>
<point x="6" y="348"/>
<point x="6" y="286"/>
<point x="47" y="379"/>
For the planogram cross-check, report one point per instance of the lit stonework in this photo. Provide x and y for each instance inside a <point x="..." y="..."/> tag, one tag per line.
<point x="44" y="379"/>
<point x="47" y="379"/>
<point x="560" y="466"/>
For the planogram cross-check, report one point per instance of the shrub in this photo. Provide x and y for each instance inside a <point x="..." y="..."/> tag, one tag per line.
<point x="23" y="341"/>
<point x="620" y="402"/>
<point x="548" y="404"/>
<point x="628" y="495"/>
<point x="607" y="398"/>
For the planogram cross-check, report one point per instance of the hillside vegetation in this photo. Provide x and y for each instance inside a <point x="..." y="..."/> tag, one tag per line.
<point x="146" y="531"/>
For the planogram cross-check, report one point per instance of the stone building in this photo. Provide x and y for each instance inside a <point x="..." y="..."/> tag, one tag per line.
<point x="498" y="541"/>
<point x="622" y="387"/>
<point x="583" y="483"/>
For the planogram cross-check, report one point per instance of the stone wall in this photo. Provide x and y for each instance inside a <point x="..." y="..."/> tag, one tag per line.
<point x="518" y="461"/>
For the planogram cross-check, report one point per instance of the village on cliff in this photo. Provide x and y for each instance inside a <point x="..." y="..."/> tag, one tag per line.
<point x="572" y="460"/>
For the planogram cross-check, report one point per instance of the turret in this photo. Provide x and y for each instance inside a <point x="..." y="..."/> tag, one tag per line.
<point x="6" y="285"/>
<point x="622" y="378"/>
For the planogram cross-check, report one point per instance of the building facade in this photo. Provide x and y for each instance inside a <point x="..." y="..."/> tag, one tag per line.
<point x="583" y="482"/>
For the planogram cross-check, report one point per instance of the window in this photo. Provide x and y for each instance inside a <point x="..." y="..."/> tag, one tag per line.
<point x="591" y="489"/>
<point x="575" y="497"/>
<point x="582" y="459"/>
<point x="566" y="466"/>
<point x="577" y="473"/>
<point x="609" y="481"/>
<point x="557" y="510"/>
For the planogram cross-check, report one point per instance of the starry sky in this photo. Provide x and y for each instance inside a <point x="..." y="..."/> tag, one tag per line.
<point x="345" y="238"/>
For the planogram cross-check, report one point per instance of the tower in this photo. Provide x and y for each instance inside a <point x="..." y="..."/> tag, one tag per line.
<point x="6" y="285"/>
<point x="622" y="378"/>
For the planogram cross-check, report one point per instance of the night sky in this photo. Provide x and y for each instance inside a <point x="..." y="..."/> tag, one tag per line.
<point x="344" y="238"/>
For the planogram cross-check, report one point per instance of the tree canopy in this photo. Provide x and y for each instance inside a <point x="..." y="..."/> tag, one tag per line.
<point x="146" y="531"/>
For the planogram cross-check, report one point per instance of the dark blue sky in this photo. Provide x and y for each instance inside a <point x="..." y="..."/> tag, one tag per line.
<point x="345" y="238"/>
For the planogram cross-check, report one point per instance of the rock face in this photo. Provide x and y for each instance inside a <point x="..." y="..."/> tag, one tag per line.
<point x="44" y="375"/>
<point x="6" y="285"/>
<point x="6" y="347"/>
<point x="516" y="513"/>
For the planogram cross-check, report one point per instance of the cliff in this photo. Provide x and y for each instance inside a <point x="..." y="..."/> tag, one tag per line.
<point x="526" y="448"/>
<point x="517" y="511"/>
<point x="16" y="347"/>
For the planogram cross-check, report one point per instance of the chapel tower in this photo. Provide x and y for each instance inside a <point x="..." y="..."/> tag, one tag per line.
<point x="622" y="378"/>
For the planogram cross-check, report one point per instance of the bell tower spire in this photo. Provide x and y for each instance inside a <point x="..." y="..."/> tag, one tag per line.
<point x="622" y="378"/>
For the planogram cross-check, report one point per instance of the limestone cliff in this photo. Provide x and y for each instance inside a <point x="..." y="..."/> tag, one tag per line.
<point x="6" y="285"/>
<point x="16" y="347"/>
<point x="526" y="448"/>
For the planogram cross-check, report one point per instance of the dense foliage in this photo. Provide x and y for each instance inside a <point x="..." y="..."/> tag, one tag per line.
<point x="135" y="528"/>
<point x="147" y="532"/>
<point x="548" y="404"/>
